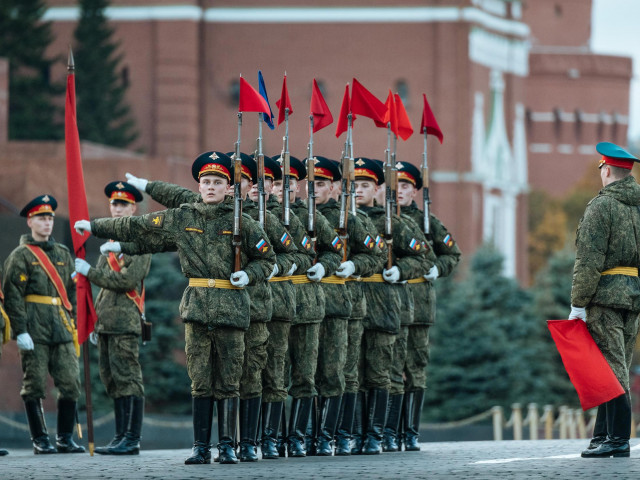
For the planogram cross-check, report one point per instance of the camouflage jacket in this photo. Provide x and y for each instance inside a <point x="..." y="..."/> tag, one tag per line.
<point x="202" y="234"/>
<point x="24" y="276"/>
<point x="117" y="314"/>
<point x="447" y="256"/>
<point x="609" y="236"/>
<point x="2" y="322"/>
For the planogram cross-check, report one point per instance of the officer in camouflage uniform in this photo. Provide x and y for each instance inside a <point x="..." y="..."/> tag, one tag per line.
<point x="606" y="290"/>
<point x="118" y="329"/>
<point x="447" y="256"/>
<point x="361" y="258"/>
<point x="215" y="310"/>
<point x="5" y="334"/>
<point x="310" y="308"/>
<point x="385" y="306"/>
<point x="42" y="317"/>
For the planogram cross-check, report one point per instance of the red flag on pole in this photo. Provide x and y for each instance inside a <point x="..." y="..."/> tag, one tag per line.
<point x="78" y="209"/>
<point x="390" y="115"/>
<point x="588" y="370"/>
<point x="363" y="102"/>
<point x="405" y="130"/>
<point x="319" y="109"/>
<point x="284" y="102"/>
<point x="251" y="100"/>
<point x="343" y="118"/>
<point x="429" y="121"/>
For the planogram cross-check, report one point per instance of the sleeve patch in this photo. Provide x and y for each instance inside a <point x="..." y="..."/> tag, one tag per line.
<point x="369" y="242"/>
<point x="193" y="229"/>
<point x="156" y="220"/>
<point x="23" y="277"/>
<point x="262" y="246"/>
<point x="74" y="277"/>
<point x="379" y="242"/>
<point x="448" y="241"/>
<point x="337" y="243"/>
<point x="306" y="243"/>
<point x="285" y="239"/>
<point x="415" y="245"/>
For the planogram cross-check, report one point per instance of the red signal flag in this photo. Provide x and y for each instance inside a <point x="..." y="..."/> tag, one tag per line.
<point x="364" y="103"/>
<point x="251" y="100"/>
<point x="319" y="109"/>
<point x="343" y="117"/>
<point x="405" y="130"/>
<point x="390" y="116"/>
<point x="284" y="102"/>
<point x="429" y="122"/>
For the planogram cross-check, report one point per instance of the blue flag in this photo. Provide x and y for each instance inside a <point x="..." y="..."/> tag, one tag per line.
<point x="268" y="119"/>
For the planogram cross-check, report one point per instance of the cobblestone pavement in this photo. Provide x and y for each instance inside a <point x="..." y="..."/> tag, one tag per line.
<point x="557" y="459"/>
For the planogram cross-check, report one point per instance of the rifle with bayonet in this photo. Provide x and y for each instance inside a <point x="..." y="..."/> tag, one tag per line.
<point x="237" y="201"/>
<point x="425" y="189"/>
<point x="259" y="156"/>
<point x="345" y="194"/>
<point x="286" y="169"/>
<point x="311" y="192"/>
<point x="390" y="186"/>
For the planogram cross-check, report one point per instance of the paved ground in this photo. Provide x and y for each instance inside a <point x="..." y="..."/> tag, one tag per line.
<point x="557" y="459"/>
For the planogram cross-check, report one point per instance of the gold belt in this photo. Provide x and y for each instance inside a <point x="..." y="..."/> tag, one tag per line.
<point x="629" y="271"/>
<point x="45" y="300"/>
<point x="280" y="279"/>
<point x="375" y="278"/>
<point x="299" y="279"/>
<point x="417" y="280"/>
<point x="334" y="279"/>
<point x="212" y="283"/>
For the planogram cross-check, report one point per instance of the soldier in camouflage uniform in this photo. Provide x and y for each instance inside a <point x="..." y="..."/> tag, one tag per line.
<point x="118" y="329"/>
<point x="5" y="333"/>
<point x="215" y="310"/>
<point x="385" y="305"/>
<point x="40" y="300"/>
<point x="606" y="290"/>
<point x="310" y="308"/>
<point x="447" y="256"/>
<point x="361" y="258"/>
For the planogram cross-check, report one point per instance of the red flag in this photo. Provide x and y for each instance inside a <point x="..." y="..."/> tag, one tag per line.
<point x="284" y="102"/>
<point x="363" y="102"/>
<point x="588" y="370"/>
<point x="405" y="130"/>
<point x="78" y="210"/>
<point x="319" y="109"/>
<point x="390" y="116"/>
<point x="250" y="100"/>
<point x="429" y="121"/>
<point x="343" y="118"/>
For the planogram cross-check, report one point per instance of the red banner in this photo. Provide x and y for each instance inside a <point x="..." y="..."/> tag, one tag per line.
<point x="319" y="109"/>
<point x="429" y="122"/>
<point x="284" y="102"/>
<point x="250" y="100"/>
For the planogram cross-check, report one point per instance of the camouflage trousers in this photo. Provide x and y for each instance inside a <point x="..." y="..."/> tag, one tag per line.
<point x="399" y="358"/>
<point x="274" y="387"/>
<point x="376" y="353"/>
<point x="120" y="369"/>
<point x="214" y="360"/>
<point x="255" y="360"/>
<point x="614" y="330"/>
<point x="354" y="335"/>
<point x="332" y="354"/>
<point x="303" y="359"/>
<point x="415" y="370"/>
<point x="58" y="360"/>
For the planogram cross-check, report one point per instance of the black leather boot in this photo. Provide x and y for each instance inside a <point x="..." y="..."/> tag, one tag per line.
<point x="329" y="416"/>
<point x="130" y="443"/>
<point x="345" y="429"/>
<point x="227" y="415"/>
<point x="358" y="423"/>
<point x="298" y="421"/>
<point x="618" y="428"/>
<point x="311" y="434"/>
<point x="66" y="422"/>
<point x="202" y="419"/>
<point x="412" y="413"/>
<point x="599" y="428"/>
<point x="249" y="418"/>
<point x="390" y="436"/>
<point x="271" y="415"/>
<point x="38" y="427"/>
<point x="282" y="436"/>
<point x="376" y="416"/>
<point x="3" y="452"/>
<point x="120" y="413"/>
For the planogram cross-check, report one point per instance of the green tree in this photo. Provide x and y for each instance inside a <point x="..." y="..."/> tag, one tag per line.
<point x="24" y="38"/>
<point x="103" y="114"/>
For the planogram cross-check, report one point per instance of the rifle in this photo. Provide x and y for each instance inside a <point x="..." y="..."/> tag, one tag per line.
<point x="286" y="169"/>
<point x="345" y="194"/>
<point x="395" y="184"/>
<point x="352" y="174"/>
<point x="237" y="201"/>
<point x="389" y="183"/>
<point x="425" y="189"/>
<point x="259" y="156"/>
<point x="311" y="191"/>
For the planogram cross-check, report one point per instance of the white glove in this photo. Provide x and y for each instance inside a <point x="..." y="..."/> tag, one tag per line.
<point x="239" y="279"/>
<point x="580" y="313"/>
<point x="292" y="270"/>
<point x="24" y="341"/>
<point x="433" y="273"/>
<point x="346" y="269"/>
<point x="139" y="183"/>
<point x="93" y="338"/>
<point x="274" y="272"/>
<point x="392" y="275"/>
<point x="82" y="226"/>
<point x="107" y="247"/>
<point x="82" y="266"/>
<point x="316" y="272"/>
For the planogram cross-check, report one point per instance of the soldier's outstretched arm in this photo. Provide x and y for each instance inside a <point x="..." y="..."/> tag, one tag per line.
<point x="171" y="195"/>
<point x="126" y="279"/>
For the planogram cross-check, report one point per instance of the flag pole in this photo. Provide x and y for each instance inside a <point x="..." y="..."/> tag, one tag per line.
<point x="311" y="193"/>
<point x="425" y="187"/>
